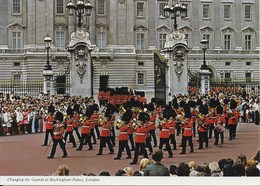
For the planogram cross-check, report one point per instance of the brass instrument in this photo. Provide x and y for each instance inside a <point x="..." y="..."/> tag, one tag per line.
<point x="162" y="122"/>
<point x="118" y="123"/>
<point x="101" y="119"/>
<point x="136" y="110"/>
<point x="122" y="110"/>
<point x="136" y="123"/>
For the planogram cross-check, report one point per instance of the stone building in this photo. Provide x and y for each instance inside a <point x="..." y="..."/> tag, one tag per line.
<point x="126" y="34"/>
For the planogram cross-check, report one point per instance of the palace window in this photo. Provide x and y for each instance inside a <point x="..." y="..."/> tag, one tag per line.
<point x="140" y="9"/>
<point x="247" y="11"/>
<point x="248" y="42"/>
<point x="60" y="40"/>
<point x="227" y="42"/>
<point x="101" y="7"/>
<point x="161" y="9"/>
<point x="16" y="6"/>
<point x="248" y="77"/>
<point x="162" y="39"/>
<point x="140" y="41"/>
<point x="227" y="11"/>
<point x="227" y="76"/>
<point x="101" y="43"/>
<point x="206" y="11"/>
<point x="17" y="41"/>
<point x="140" y="78"/>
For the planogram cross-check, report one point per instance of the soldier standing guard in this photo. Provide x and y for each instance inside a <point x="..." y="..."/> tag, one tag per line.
<point x="187" y="135"/>
<point x="58" y="131"/>
<point x="49" y="124"/>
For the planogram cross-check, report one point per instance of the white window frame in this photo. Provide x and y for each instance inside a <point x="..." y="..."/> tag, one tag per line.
<point x="16" y="5"/>
<point x="248" y="42"/>
<point x="101" y="7"/>
<point x="59" y="7"/>
<point x="227" y="76"/>
<point x="227" y="11"/>
<point x="139" y="41"/>
<point x="162" y="40"/>
<point x="101" y="39"/>
<point x="60" y="40"/>
<point x="139" y="10"/>
<point x="161" y="10"/>
<point x="16" y="40"/>
<point x="140" y="80"/>
<point x="206" y="14"/>
<point x="227" y="41"/>
<point x="207" y="37"/>
<point x="246" y="13"/>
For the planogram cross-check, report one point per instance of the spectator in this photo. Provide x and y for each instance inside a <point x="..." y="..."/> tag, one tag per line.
<point x="137" y="173"/>
<point x="183" y="169"/>
<point x="173" y="170"/>
<point x="252" y="171"/>
<point x="104" y="173"/>
<point x="129" y="171"/>
<point x="63" y="170"/>
<point x="120" y="172"/>
<point x="239" y="169"/>
<point x="227" y="170"/>
<point x="156" y="168"/>
<point x="214" y="168"/>
<point x="143" y="164"/>
<point x="241" y="158"/>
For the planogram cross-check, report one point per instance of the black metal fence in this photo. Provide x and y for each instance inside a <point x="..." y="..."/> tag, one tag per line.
<point x="25" y="87"/>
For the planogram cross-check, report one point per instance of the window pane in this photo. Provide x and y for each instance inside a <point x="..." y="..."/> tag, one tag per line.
<point x="16" y="40"/>
<point x="227" y="42"/>
<point x="162" y="39"/>
<point x="186" y="38"/>
<point x="140" y="78"/>
<point x="60" y="40"/>
<point x="205" y="11"/>
<point x="16" y="6"/>
<point x="227" y="11"/>
<point x="207" y="36"/>
<point x="247" y="12"/>
<point x="247" y="42"/>
<point x="59" y="6"/>
<point x="101" y="40"/>
<point x="161" y="7"/>
<point x="140" y="9"/>
<point x="140" y="41"/>
<point x="101" y="7"/>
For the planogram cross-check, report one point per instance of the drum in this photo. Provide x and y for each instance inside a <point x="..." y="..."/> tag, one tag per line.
<point x="219" y="128"/>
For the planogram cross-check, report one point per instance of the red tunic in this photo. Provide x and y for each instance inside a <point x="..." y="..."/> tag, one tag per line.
<point x="85" y="127"/>
<point x="140" y="134"/>
<point x="123" y="133"/>
<point x="105" y="129"/>
<point x="75" y="122"/>
<point x="58" y="131"/>
<point x="49" y="123"/>
<point x="165" y="130"/>
<point x="187" y="129"/>
<point x="172" y="126"/>
<point x="69" y="127"/>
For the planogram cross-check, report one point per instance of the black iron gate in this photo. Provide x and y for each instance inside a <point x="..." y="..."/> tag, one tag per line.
<point x="159" y="79"/>
<point x="62" y="85"/>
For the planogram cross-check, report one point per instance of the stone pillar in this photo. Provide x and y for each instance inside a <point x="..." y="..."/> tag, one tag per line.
<point x="48" y="82"/>
<point x="205" y="81"/>
<point x="80" y="49"/>
<point x="176" y="53"/>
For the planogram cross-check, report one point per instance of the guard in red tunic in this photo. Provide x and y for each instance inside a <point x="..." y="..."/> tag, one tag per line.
<point x="219" y="129"/>
<point x="49" y="124"/>
<point x="140" y="137"/>
<point x="187" y="135"/>
<point x="123" y="140"/>
<point x="203" y="132"/>
<point x="130" y="133"/>
<point x="69" y="131"/>
<point x="164" y="136"/>
<point x="153" y="128"/>
<point x="58" y="131"/>
<point x="75" y="124"/>
<point x="85" y="134"/>
<point x="172" y="128"/>
<point x="105" y="138"/>
<point x="94" y="117"/>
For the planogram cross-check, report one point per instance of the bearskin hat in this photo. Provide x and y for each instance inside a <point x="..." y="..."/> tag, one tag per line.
<point x="150" y="107"/>
<point x="187" y="111"/>
<point x="69" y="111"/>
<point x="76" y="108"/>
<point x="233" y="104"/>
<point x="127" y="116"/>
<point x="51" y="109"/>
<point x="59" y="116"/>
<point x="144" y="117"/>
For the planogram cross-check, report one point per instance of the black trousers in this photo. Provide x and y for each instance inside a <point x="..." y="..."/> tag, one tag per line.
<point x="153" y="136"/>
<point x="71" y="138"/>
<point x="131" y="139"/>
<point x="257" y="117"/>
<point x="113" y="136"/>
<point x="48" y="131"/>
<point x="123" y="144"/>
<point x="203" y="137"/>
<point x="97" y="131"/>
<point x="211" y="127"/>
<point x="166" y="142"/>
<point x="103" y="142"/>
<point x="139" y="147"/>
<point x="148" y="144"/>
<point x="62" y="146"/>
<point x="184" y="142"/>
<point x="92" y="134"/>
<point x="173" y="140"/>
<point x="76" y="129"/>
<point x="85" y="138"/>
<point x="232" y="131"/>
<point x="217" y="134"/>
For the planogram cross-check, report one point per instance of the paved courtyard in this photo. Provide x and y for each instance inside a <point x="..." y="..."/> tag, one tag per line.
<point x="23" y="155"/>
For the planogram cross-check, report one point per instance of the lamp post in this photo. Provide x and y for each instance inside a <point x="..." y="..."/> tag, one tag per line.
<point x="79" y="8"/>
<point x="175" y="11"/>
<point x="204" y="43"/>
<point x="47" y="41"/>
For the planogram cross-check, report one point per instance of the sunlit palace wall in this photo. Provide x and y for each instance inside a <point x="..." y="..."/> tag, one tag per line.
<point x="127" y="33"/>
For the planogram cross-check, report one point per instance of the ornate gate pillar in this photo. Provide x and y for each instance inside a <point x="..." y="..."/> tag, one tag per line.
<point x="176" y="53"/>
<point x="80" y="49"/>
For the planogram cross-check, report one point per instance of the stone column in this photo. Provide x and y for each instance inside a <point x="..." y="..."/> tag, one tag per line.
<point x="48" y="82"/>
<point x="176" y="52"/>
<point x="80" y="49"/>
<point x="205" y="81"/>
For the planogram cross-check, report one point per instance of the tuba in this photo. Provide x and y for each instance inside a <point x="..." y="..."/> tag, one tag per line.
<point x="122" y="110"/>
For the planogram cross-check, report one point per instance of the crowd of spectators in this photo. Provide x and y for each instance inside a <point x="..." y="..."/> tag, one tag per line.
<point x="238" y="167"/>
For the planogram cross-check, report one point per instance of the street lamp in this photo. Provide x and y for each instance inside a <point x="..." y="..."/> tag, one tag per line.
<point x="47" y="41"/>
<point x="80" y="7"/>
<point x="175" y="11"/>
<point x="204" y="43"/>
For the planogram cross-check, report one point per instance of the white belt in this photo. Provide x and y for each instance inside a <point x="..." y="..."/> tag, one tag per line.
<point x="104" y="129"/>
<point x="123" y="132"/>
<point x="50" y="122"/>
<point x="172" y="127"/>
<point x="85" y="126"/>
<point x="187" y="128"/>
<point x="141" y="134"/>
<point x="69" y="125"/>
<point x="165" y="130"/>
